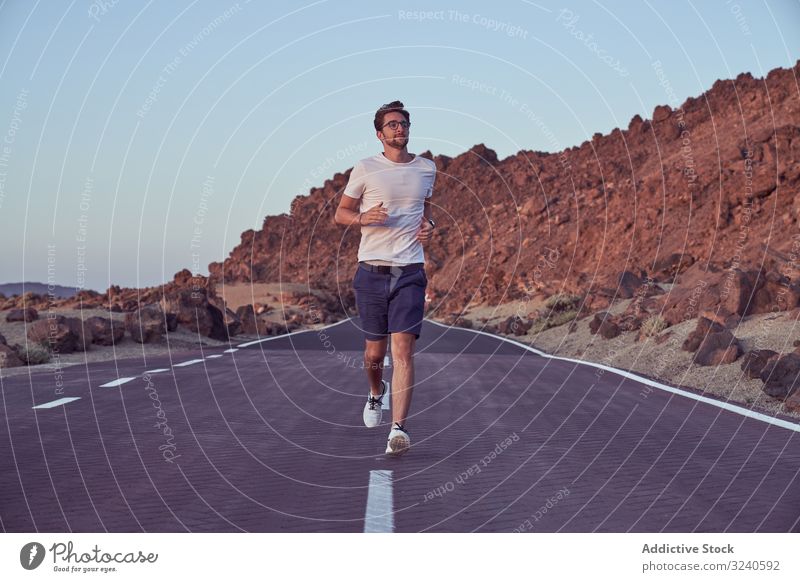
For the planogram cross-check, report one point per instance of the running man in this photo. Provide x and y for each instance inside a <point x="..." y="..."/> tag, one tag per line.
<point x="388" y="196"/>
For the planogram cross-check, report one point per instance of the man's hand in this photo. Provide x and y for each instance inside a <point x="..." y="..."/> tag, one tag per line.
<point x="425" y="231"/>
<point x="375" y="215"/>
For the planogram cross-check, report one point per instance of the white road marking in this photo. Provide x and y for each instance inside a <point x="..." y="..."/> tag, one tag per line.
<point x="214" y="356"/>
<point x="724" y="405"/>
<point x="388" y="398"/>
<point x="157" y="370"/>
<point x="189" y="363"/>
<point x="58" y="402"/>
<point x="231" y="350"/>
<point x="117" y="382"/>
<point x="380" y="504"/>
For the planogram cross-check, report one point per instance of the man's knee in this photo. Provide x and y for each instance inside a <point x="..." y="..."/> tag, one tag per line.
<point x="403" y="348"/>
<point x="375" y="352"/>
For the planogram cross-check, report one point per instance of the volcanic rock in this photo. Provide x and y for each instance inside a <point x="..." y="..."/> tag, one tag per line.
<point x="105" y="332"/>
<point x="146" y="325"/>
<point x="60" y="334"/>
<point x="781" y="376"/>
<point x="9" y="357"/>
<point x="753" y="362"/>
<point x="26" y="314"/>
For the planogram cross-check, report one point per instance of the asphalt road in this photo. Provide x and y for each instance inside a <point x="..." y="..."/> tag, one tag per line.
<point x="269" y="438"/>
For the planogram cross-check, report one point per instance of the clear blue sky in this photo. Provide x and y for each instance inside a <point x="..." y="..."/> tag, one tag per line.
<point x="141" y="138"/>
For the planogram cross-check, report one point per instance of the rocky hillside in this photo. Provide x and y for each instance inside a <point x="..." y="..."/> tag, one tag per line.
<point x="713" y="183"/>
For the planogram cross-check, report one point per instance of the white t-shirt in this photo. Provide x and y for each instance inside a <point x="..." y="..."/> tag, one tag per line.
<point x="403" y="189"/>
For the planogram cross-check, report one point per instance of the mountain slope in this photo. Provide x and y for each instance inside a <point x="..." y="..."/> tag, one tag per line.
<point x="713" y="182"/>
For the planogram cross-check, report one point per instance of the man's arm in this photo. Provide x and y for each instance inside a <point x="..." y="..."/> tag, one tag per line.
<point x="347" y="212"/>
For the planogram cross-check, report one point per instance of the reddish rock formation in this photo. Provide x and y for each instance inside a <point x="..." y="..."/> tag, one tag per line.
<point x="513" y="325"/>
<point x="712" y="343"/>
<point x="104" y="331"/>
<point x="781" y="376"/>
<point x="146" y="325"/>
<point x="655" y="198"/>
<point x="60" y="334"/>
<point x="718" y="348"/>
<point x="754" y="361"/>
<point x="604" y="324"/>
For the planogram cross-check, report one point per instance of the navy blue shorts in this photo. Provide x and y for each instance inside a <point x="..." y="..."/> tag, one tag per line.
<point x="390" y="302"/>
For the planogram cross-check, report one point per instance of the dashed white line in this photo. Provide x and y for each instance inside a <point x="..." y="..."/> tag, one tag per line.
<point x="58" y="402"/>
<point x="189" y="363"/>
<point x="380" y="503"/>
<point x="231" y="350"/>
<point x="117" y="382"/>
<point x="213" y="356"/>
<point x="157" y="370"/>
<point x="388" y="397"/>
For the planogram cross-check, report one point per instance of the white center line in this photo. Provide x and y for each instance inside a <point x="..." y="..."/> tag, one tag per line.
<point x="231" y="350"/>
<point x="189" y="363"/>
<point x="380" y="505"/>
<point x="117" y="382"/>
<point x="58" y="402"/>
<point x="157" y="370"/>
<point x="213" y="356"/>
<point x="387" y="398"/>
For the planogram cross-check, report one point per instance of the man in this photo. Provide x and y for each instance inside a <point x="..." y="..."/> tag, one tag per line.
<point x="388" y="196"/>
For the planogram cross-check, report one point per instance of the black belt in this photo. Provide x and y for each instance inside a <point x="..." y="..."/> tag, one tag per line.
<point x="388" y="268"/>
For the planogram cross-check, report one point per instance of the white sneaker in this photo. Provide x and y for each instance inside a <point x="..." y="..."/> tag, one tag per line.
<point x="373" y="407"/>
<point x="398" y="441"/>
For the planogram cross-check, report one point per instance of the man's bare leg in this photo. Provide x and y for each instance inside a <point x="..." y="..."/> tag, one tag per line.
<point x="403" y="375"/>
<point x="374" y="354"/>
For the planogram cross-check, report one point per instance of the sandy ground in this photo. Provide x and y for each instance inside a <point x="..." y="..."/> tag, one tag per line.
<point x="666" y="360"/>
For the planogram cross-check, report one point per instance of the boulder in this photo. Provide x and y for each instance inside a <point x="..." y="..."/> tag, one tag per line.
<point x="753" y="362"/>
<point x="60" y="334"/>
<point x="202" y="313"/>
<point x="9" y="357"/>
<point x="247" y="317"/>
<point x="26" y="314"/>
<point x="792" y="403"/>
<point x="514" y="325"/>
<point x="604" y="324"/>
<point x="229" y="323"/>
<point x="730" y="292"/>
<point x="105" y="332"/>
<point x="171" y="321"/>
<point x="704" y="328"/>
<point x="146" y="325"/>
<point x="627" y="285"/>
<point x="718" y="348"/>
<point x="671" y="266"/>
<point x="781" y="376"/>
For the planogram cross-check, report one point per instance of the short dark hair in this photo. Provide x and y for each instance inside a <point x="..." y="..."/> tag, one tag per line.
<point x="394" y="106"/>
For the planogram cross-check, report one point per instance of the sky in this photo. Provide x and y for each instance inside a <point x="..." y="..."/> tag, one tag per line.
<point x="141" y="138"/>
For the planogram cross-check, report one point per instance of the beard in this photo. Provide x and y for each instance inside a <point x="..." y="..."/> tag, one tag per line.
<point x="397" y="143"/>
